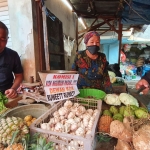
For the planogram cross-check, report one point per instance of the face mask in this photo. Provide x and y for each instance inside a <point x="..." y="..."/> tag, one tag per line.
<point x="93" y="49"/>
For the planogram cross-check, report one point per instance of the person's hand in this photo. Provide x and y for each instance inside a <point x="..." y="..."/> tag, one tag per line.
<point x="11" y="93"/>
<point x="141" y="83"/>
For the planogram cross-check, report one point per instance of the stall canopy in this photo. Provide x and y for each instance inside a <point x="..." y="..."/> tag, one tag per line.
<point x="136" y="12"/>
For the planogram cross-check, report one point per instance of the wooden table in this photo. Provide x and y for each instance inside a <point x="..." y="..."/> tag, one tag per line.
<point x="13" y="102"/>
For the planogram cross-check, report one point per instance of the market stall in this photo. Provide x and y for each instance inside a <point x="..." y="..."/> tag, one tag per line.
<point x="84" y="120"/>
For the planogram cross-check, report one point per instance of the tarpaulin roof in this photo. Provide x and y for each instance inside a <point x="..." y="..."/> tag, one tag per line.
<point x="136" y="12"/>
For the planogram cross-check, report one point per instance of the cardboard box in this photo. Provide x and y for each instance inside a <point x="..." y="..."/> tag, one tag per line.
<point x="119" y="88"/>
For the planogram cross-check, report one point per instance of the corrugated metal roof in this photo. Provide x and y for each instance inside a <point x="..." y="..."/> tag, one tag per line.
<point x="130" y="11"/>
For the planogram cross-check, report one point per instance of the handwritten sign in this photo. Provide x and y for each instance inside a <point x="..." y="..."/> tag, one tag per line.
<point x="61" y="86"/>
<point x="61" y="79"/>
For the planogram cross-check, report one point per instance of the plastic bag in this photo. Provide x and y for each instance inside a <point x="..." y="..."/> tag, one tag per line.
<point x="68" y="45"/>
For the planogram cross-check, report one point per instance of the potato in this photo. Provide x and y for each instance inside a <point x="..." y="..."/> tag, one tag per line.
<point x="122" y="145"/>
<point x="28" y="123"/>
<point x="118" y="130"/>
<point x="28" y="118"/>
<point x="141" y="138"/>
<point x="33" y="119"/>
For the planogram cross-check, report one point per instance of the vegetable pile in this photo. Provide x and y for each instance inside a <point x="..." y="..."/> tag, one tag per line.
<point x="132" y="134"/>
<point x="3" y="101"/>
<point x="126" y="99"/>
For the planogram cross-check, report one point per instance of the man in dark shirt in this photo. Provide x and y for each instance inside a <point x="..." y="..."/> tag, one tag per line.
<point x="11" y="72"/>
<point x="145" y="81"/>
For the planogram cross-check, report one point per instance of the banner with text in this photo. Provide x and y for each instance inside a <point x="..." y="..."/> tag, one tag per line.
<point x="61" y="86"/>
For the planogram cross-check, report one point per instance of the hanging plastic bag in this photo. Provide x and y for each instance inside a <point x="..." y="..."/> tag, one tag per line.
<point x="68" y="45"/>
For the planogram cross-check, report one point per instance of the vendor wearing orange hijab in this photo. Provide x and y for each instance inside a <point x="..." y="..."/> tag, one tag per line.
<point x="92" y="65"/>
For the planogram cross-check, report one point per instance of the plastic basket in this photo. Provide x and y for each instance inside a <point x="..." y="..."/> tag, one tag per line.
<point x="36" y="110"/>
<point x="93" y="93"/>
<point x="63" y="138"/>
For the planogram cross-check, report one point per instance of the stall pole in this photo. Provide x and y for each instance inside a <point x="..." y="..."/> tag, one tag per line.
<point x="120" y="39"/>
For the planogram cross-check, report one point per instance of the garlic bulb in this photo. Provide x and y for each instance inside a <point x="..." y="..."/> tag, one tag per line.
<point x="66" y="115"/>
<point x="79" y="124"/>
<point x="56" y="114"/>
<point x="63" y="121"/>
<point x="90" y="125"/>
<point x="56" y="119"/>
<point x="80" y="131"/>
<point x="85" y="122"/>
<point x="62" y="147"/>
<point x="82" y="125"/>
<point x="92" y="118"/>
<point x="77" y="119"/>
<point x="51" y="125"/>
<point x="52" y="128"/>
<point x="96" y="111"/>
<point x="67" y="127"/>
<point x="74" y="126"/>
<point x="52" y="137"/>
<point x="63" y="138"/>
<point x="72" y="148"/>
<point x="59" y="127"/>
<point x="86" y="116"/>
<point x="90" y="111"/>
<point x="74" y="143"/>
<point x="68" y="104"/>
<point x="71" y="115"/>
<point x="80" y="110"/>
<point x="63" y="111"/>
<point x="62" y="117"/>
<point x="76" y="105"/>
<point x="52" y="121"/>
<point x="44" y="126"/>
<point x="71" y="121"/>
<point x="88" y="132"/>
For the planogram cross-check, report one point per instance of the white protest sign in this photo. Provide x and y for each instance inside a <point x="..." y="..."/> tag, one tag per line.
<point x="61" y="86"/>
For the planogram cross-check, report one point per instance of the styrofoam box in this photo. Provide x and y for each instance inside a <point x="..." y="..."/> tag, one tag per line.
<point x="63" y="139"/>
<point x="131" y="83"/>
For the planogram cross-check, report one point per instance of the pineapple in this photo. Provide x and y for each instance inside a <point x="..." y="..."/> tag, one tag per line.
<point x="8" y="126"/>
<point x="16" y="146"/>
<point x="104" y="124"/>
<point x="39" y="143"/>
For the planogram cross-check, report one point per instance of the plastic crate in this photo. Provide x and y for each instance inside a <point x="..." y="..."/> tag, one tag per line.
<point x="89" y="142"/>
